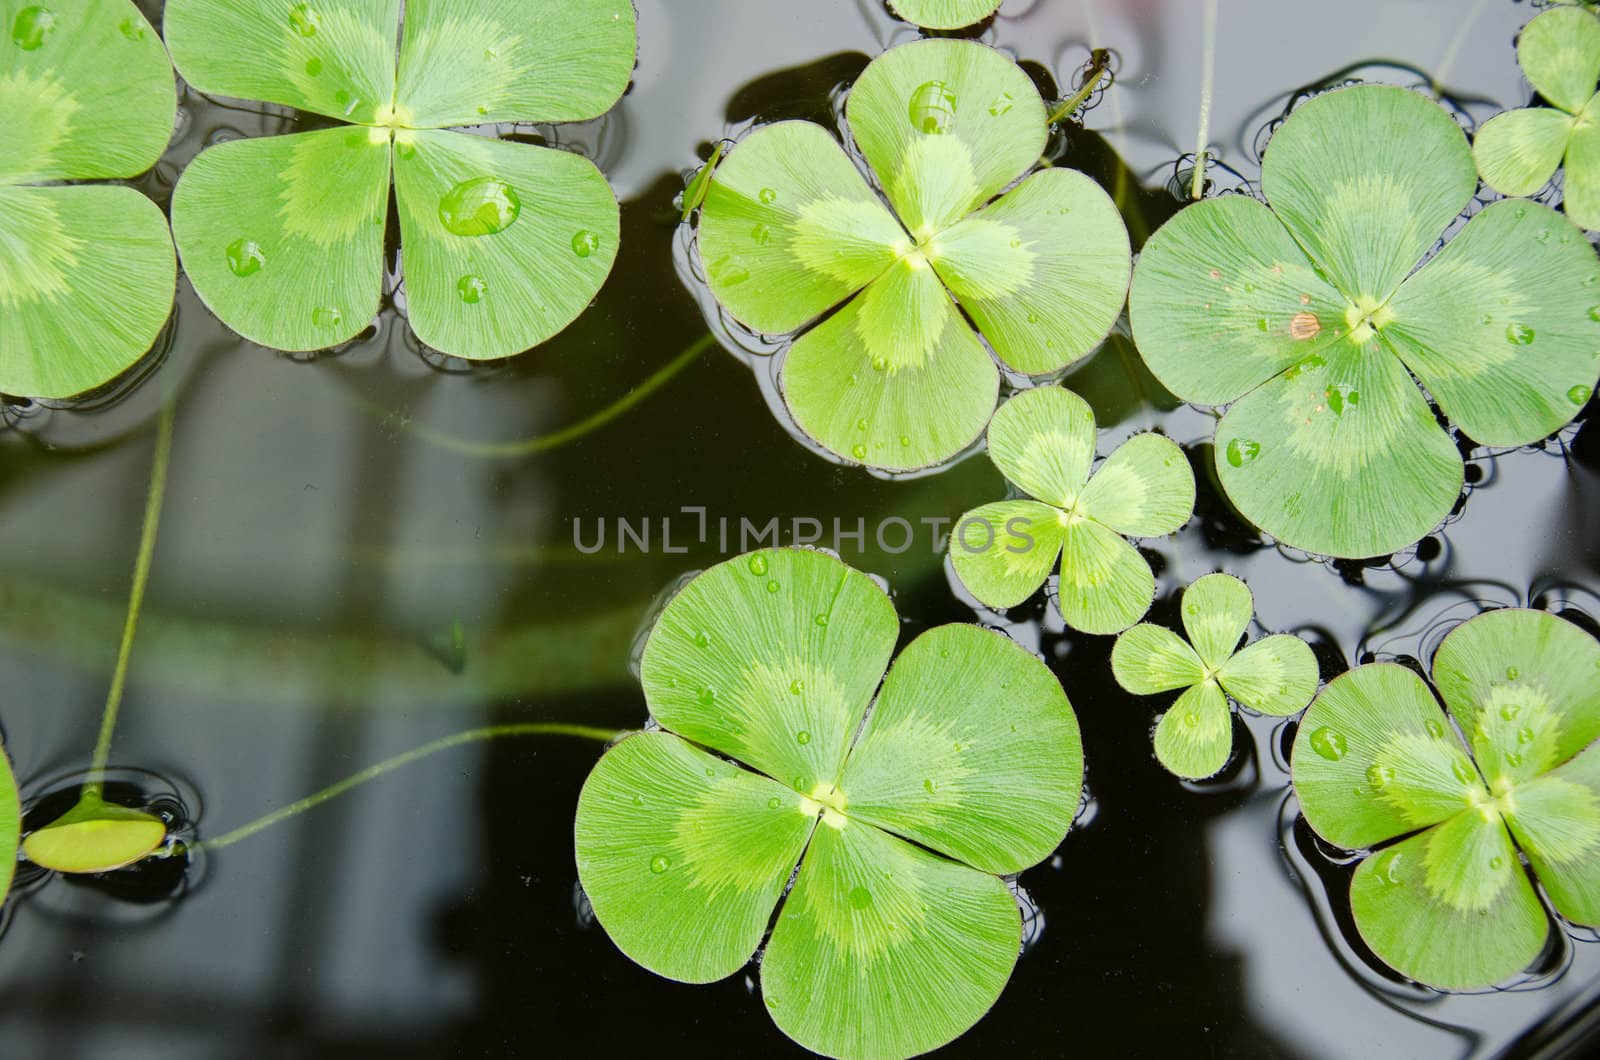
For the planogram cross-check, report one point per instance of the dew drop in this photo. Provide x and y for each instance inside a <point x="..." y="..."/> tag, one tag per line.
<point x="1463" y="771"/>
<point x="802" y="737"/>
<point x="1002" y="104"/>
<point x="326" y="317"/>
<point x="304" y="20"/>
<point x="796" y="687"/>
<point x="703" y="639"/>
<point x="472" y="289"/>
<point x="928" y="785"/>
<point x="822" y="620"/>
<point x="905" y="441"/>
<point x="932" y="108"/>
<point x="1329" y="743"/>
<point x="245" y="257"/>
<point x="1262" y="325"/>
<point x="1525" y="734"/>
<point x="758" y="564"/>
<point x="862" y="424"/>
<point x="1519" y="335"/>
<point x="585" y="242"/>
<point x="1594" y="310"/>
<point x="1510" y="711"/>
<point x="1435" y="728"/>
<point x="1190" y="720"/>
<point x="768" y="196"/>
<point x="860" y="898"/>
<point x="31" y="26"/>
<point x="858" y="451"/>
<point x="1512" y="673"/>
<point x="638" y="800"/>
<point x="1033" y="318"/>
<point x="708" y="696"/>
<point x="1580" y="394"/>
<point x="1379" y="775"/>
<point x="1242" y="450"/>
<point x="880" y="364"/>
<point x="313" y="66"/>
<point x="774" y="802"/>
<point x="710" y="772"/>
<point x="481" y="206"/>
<point x="1514" y="760"/>
<point x="1497" y="863"/>
<point x="761" y="235"/>
<point x="132" y="28"/>
<point x="660" y="863"/>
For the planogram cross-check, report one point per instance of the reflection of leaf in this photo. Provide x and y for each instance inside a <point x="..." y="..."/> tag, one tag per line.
<point x="505" y="244"/>
<point x="944" y="14"/>
<point x="897" y="378"/>
<point x="1311" y="316"/>
<point x="86" y="273"/>
<point x="1274" y="675"/>
<point x="898" y="934"/>
<point x="1043" y="441"/>
<point x="1375" y="760"/>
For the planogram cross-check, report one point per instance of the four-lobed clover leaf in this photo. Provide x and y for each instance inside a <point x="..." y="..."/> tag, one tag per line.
<point x="1444" y="898"/>
<point x="1275" y="675"/>
<point x="1519" y="151"/>
<point x="897" y="933"/>
<point x="1043" y="441"/>
<point x="504" y="243"/>
<point x="897" y="378"/>
<point x="944" y="14"/>
<point x="87" y="272"/>
<point x="1311" y="316"/>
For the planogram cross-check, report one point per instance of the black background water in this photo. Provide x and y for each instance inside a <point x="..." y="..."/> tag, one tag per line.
<point x="318" y="554"/>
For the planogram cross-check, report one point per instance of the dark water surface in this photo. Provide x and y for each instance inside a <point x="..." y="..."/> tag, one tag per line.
<point x="320" y="550"/>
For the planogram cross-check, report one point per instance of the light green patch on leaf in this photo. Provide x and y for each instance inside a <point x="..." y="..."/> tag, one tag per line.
<point x="683" y="856"/>
<point x="1145" y="488"/>
<point x="1106" y="586"/>
<point x="1581" y="189"/>
<point x="1148" y="659"/>
<point x="95" y="836"/>
<point x="885" y="950"/>
<point x="1517" y="152"/>
<point x="10" y="824"/>
<point x="968" y="705"/>
<point x="1276" y="675"/>
<point x="282" y="237"/>
<point x="512" y="60"/>
<point x="1556" y="819"/>
<point x="1004" y="551"/>
<point x="512" y="288"/>
<point x="1195" y="736"/>
<point x="1403" y="916"/>
<point x="1216" y="612"/>
<point x="944" y="14"/>
<point x="1560" y="53"/>
<point x="1042" y="440"/>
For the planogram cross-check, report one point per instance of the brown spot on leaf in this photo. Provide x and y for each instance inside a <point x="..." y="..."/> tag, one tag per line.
<point x="1303" y="326"/>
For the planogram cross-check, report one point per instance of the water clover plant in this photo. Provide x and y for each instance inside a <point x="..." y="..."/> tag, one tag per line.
<point x="897" y="933"/>
<point x="1309" y="313"/>
<point x="897" y="378"/>
<point x="944" y="14"/>
<point x="1274" y="675"/>
<point x="504" y="243"/>
<point x="86" y="271"/>
<point x="1518" y="151"/>
<point x="1043" y="441"/>
<point x="1451" y="813"/>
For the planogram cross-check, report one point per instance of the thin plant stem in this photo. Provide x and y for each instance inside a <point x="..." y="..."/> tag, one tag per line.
<point x="1091" y="82"/>
<point x="545" y="443"/>
<point x="95" y="783"/>
<point x="1448" y="59"/>
<point x="1208" y="76"/>
<point x="389" y="765"/>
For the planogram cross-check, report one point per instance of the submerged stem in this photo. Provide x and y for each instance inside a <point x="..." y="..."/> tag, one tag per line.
<point x="141" y="577"/>
<point x="1208" y="75"/>
<point x="1091" y="81"/>
<point x="1448" y="59"/>
<point x="388" y="765"/>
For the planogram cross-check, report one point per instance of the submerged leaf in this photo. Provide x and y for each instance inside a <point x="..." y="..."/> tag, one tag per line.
<point x="95" y="836"/>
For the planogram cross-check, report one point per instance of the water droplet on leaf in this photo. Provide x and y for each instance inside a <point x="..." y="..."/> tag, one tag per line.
<point x="768" y="196"/>
<point x="860" y="898"/>
<point x="585" y="243"/>
<point x="1510" y="710"/>
<point x="796" y="687"/>
<point x="774" y="802"/>
<point x="31" y="26"/>
<point x="758" y="564"/>
<point x="772" y="587"/>
<point x="1519" y="335"/>
<point x="660" y="863"/>
<point x="1580" y="394"/>
<point x="313" y="66"/>
<point x="1329" y="743"/>
<point x="132" y="28"/>
<point x="304" y="20"/>
<point x="1242" y="450"/>
<point x="858" y="451"/>
<point x="1463" y="771"/>
<point x="481" y="206"/>
<point x="472" y="289"/>
<point x="802" y="737"/>
<point x="761" y="235"/>
<point x="1379" y="775"/>
<point x="1435" y="728"/>
<point x="932" y="108"/>
<point x="326" y="317"/>
<point x="245" y="257"/>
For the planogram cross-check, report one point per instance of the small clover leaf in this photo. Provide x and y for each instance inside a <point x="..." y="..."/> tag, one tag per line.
<point x="1043" y="441"/>
<point x="504" y="243"/>
<point x="1275" y="675"/>
<point x="898" y="933"/>
<point x="1310" y="314"/>
<point x="897" y="378"/>
<point x="1519" y="151"/>
<point x="944" y="14"/>
<point x="1443" y="897"/>
<point x="87" y="272"/>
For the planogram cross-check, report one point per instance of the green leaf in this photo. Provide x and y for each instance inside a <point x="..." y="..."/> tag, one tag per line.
<point x="1402" y="903"/>
<point x="684" y="856"/>
<point x="1556" y="819"/>
<point x="1581" y="187"/>
<point x="1517" y="152"/>
<point x="1523" y="686"/>
<point x="1003" y="552"/>
<point x="1195" y="736"/>
<point x="772" y="658"/>
<point x="86" y="91"/>
<point x="896" y="379"/>
<point x="332" y="57"/>
<point x="1043" y="441"/>
<point x="10" y="824"/>
<point x="1106" y="586"/>
<point x="972" y="750"/>
<point x="1340" y="455"/>
<point x="511" y="60"/>
<point x="1224" y="299"/>
<point x="1043" y="271"/>
<point x="944" y="14"/>
<point x="1216" y="612"/>
<point x="95" y="836"/>
<point x="1148" y="659"/>
<point x="945" y="124"/>
<point x="86" y="282"/>
<point x="1365" y="179"/>
<point x="1276" y="675"/>
<point x="1145" y="488"/>
<point x="790" y="229"/>
<point x="1375" y="759"/>
<point x="282" y="237"/>
<point x="1501" y="326"/>
<point x="885" y="950"/>
<point x="506" y="278"/>
<point x="1560" y="54"/>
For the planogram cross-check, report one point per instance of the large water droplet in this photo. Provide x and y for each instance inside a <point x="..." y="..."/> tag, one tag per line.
<point x="481" y="206"/>
<point x="245" y="257"/>
<point x="932" y="108"/>
<point x="802" y="737"/>
<point x="1242" y="450"/>
<point x="585" y="243"/>
<point x="660" y="863"/>
<point x="1388" y="869"/>
<point x="758" y="564"/>
<point x="1329" y="743"/>
<point x="1519" y="335"/>
<point x="1580" y="394"/>
<point x="858" y="451"/>
<point x="1379" y="775"/>
<point x="472" y="289"/>
<point x="31" y="26"/>
<point x="326" y="317"/>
